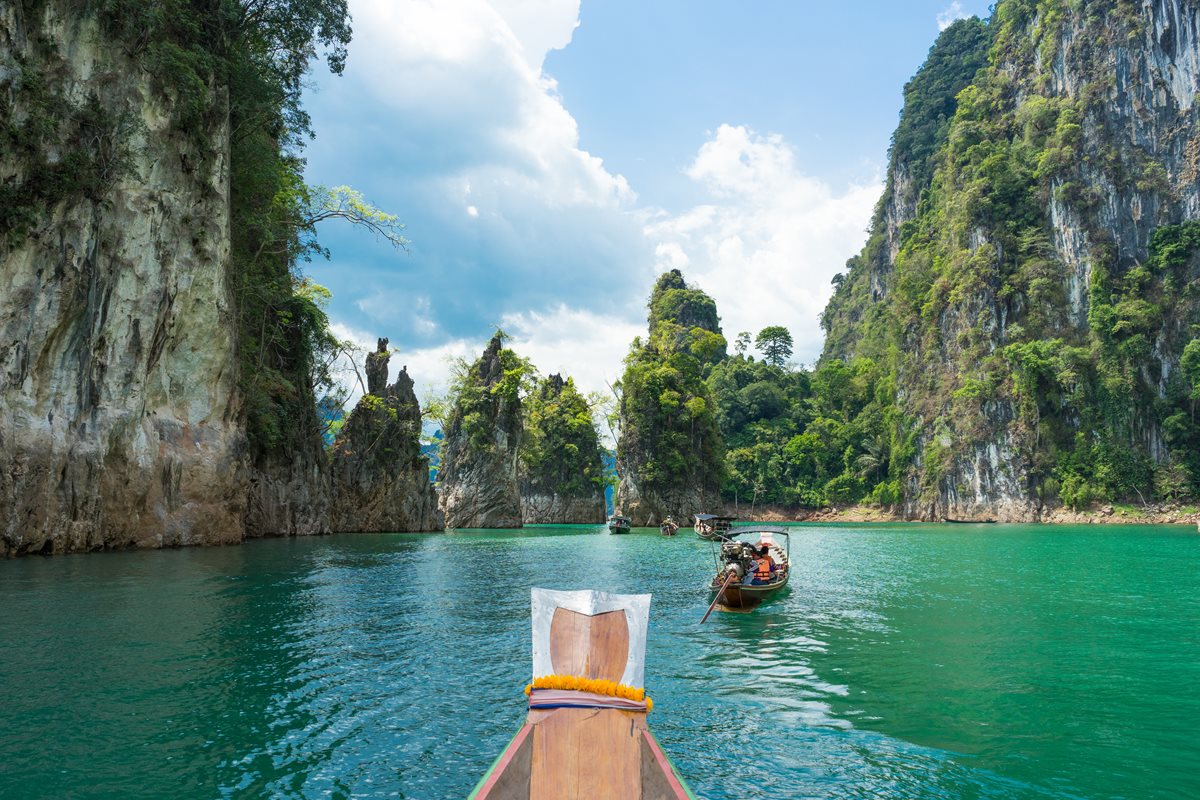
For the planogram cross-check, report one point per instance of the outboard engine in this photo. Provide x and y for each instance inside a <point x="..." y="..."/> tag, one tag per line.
<point x="738" y="558"/>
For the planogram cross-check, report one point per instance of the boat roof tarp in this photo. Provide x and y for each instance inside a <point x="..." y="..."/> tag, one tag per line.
<point x="591" y="603"/>
<point x="740" y="529"/>
<point x="711" y="516"/>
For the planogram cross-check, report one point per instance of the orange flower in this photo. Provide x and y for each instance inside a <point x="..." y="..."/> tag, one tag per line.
<point x="576" y="683"/>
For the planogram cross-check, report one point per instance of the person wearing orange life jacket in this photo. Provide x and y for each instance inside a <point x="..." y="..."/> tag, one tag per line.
<point x="766" y="565"/>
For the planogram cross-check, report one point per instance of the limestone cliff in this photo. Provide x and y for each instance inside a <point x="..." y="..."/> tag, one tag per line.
<point x="669" y="457"/>
<point x="1034" y="307"/>
<point x="380" y="479"/>
<point x="156" y="348"/>
<point x="561" y="465"/>
<point x="118" y="408"/>
<point x="477" y="479"/>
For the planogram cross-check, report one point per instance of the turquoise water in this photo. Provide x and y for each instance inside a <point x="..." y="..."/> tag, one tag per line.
<point x="903" y="661"/>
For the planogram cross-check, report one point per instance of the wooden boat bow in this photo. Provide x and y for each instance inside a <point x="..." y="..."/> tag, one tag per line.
<point x="582" y="745"/>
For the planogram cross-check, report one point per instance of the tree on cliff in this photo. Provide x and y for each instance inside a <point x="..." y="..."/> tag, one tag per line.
<point x="775" y="343"/>
<point x="670" y="452"/>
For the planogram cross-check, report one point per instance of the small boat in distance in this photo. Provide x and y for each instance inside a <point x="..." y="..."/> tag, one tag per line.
<point x="585" y="736"/>
<point x="742" y="580"/>
<point x="968" y="521"/>
<point x="711" y="526"/>
<point x="619" y="524"/>
<point x="668" y="527"/>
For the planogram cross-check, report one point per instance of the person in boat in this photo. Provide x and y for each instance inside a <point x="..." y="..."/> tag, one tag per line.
<point x="765" y="565"/>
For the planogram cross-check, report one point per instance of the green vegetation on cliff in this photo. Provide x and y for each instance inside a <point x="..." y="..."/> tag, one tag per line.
<point x="485" y="394"/>
<point x="930" y="102"/>
<point x="1081" y="394"/>
<point x="669" y="434"/>
<point x="560" y="448"/>
<point x="224" y="71"/>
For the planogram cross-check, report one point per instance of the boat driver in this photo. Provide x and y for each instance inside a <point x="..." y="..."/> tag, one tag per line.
<point x="766" y="565"/>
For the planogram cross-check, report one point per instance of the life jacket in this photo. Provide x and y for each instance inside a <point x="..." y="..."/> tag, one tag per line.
<point x="764" y="569"/>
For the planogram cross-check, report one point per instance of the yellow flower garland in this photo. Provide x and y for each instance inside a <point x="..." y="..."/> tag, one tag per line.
<point x="574" y="683"/>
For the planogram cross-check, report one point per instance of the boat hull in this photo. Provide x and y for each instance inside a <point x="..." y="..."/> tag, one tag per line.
<point x="612" y="529"/>
<point x="545" y="762"/>
<point x="747" y="595"/>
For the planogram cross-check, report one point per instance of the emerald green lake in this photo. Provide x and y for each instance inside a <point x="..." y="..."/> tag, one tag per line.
<point x="904" y="661"/>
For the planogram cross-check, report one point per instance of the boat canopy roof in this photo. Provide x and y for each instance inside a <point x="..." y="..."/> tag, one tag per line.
<point x="760" y="529"/>
<point x="589" y="603"/>
<point x="712" y="516"/>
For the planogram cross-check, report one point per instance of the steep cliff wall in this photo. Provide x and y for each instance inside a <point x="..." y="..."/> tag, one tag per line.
<point x="118" y="408"/>
<point x="380" y="479"/>
<point x="477" y="479"/>
<point x="669" y="457"/>
<point x="1035" y="308"/>
<point x="561" y="466"/>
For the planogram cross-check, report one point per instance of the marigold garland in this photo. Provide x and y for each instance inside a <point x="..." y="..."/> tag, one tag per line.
<point x="575" y="683"/>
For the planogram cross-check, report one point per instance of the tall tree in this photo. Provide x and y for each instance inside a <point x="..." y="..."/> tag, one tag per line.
<point x="775" y="343"/>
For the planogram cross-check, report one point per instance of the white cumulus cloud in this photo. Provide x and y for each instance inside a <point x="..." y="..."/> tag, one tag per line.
<point x="579" y="343"/>
<point x="953" y="12"/>
<point x="514" y="224"/>
<point x="468" y="141"/>
<point x="771" y="238"/>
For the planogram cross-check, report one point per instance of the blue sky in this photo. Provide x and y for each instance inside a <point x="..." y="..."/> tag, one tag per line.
<point x="551" y="157"/>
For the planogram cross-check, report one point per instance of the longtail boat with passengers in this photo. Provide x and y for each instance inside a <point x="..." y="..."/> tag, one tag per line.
<point x="668" y="527"/>
<point x="585" y="737"/>
<point x="711" y="526"/>
<point x="618" y="524"/>
<point x="750" y="565"/>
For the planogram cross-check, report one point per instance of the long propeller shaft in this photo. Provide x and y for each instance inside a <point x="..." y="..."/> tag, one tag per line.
<point x="720" y="594"/>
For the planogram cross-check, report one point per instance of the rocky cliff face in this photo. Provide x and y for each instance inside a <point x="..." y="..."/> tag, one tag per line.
<point x="1035" y="306"/>
<point x="670" y="454"/>
<point x="561" y="465"/>
<point x="478" y="475"/>
<point x="380" y="479"/>
<point x="118" y="411"/>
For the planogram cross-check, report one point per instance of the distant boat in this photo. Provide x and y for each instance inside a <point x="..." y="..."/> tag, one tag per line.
<point x="617" y="524"/>
<point x="668" y="527"/>
<point x="969" y="521"/>
<point x="712" y="526"/>
<point x="740" y="581"/>
<point x="577" y="744"/>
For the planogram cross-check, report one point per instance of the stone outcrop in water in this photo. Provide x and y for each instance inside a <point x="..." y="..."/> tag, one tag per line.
<point x="118" y="396"/>
<point x="380" y="479"/>
<point x="561" y="466"/>
<point x="1032" y="299"/>
<point x="670" y="453"/>
<point x="477" y="478"/>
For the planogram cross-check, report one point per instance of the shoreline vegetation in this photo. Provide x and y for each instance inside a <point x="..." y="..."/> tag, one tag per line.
<point x="1109" y="514"/>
